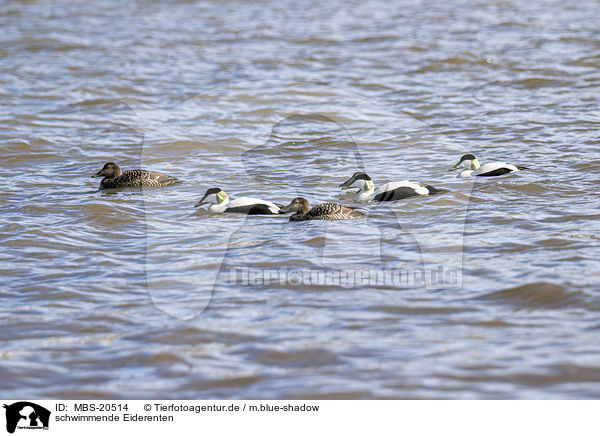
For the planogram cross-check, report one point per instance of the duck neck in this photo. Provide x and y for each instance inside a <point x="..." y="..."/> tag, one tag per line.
<point x="107" y="182"/>
<point x="475" y="164"/>
<point x="303" y="209"/>
<point x="222" y="200"/>
<point x="367" y="189"/>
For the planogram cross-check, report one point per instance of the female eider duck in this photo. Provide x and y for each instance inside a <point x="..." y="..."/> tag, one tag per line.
<point x="472" y="167"/>
<point x="115" y="178"/>
<point x="220" y="203"/>
<point x="388" y="192"/>
<point x="325" y="211"/>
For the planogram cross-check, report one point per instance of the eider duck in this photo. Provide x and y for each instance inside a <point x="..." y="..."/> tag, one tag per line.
<point x="115" y="178"/>
<point x="388" y="192"/>
<point x="247" y="205"/>
<point x="491" y="169"/>
<point x="325" y="211"/>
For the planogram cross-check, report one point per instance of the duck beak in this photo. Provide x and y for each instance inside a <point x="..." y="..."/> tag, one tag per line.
<point x="98" y="174"/>
<point x="454" y="167"/>
<point x="201" y="202"/>
<point x="347" y="184"/>
<point x="292" y="207"/>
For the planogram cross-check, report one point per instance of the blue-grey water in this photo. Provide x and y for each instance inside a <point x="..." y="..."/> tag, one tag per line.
<point x="491" y="290"/>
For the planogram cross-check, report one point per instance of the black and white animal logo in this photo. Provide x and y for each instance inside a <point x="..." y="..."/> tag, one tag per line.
<point x="26" y="415"/>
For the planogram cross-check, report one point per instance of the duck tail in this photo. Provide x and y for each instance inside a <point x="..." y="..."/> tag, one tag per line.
<point x="520" y="167"/>
<point x="433" y="191"/>
<point x="164" y="180"/>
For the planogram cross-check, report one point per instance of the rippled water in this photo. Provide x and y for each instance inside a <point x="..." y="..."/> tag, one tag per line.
<point x="137" y="294"/>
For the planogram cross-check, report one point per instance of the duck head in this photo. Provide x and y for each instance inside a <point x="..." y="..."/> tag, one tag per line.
<point x="467" y="161"/>
<point x="299" y="205"/>
<point x="110" y="170"/>
<point x="212" y="195"/>
<point x="358" y="180"/>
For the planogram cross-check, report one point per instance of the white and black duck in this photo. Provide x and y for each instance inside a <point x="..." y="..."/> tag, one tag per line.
<point x="324" y="211"/>
<point x="389" y="192"/>
<point x="221" y="203"/>
<point x="113" y="177"/>
<point x="472" y="167"/>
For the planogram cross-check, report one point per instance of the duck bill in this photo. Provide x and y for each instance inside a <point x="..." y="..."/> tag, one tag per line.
<point x="454" y="167"/>
<point x="347" y="184"/>
<point x="98" y="174"/>
<point x="289" y="208"/>
<point x="201" y="202"/>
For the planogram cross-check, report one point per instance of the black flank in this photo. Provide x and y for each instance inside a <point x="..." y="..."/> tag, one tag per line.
<point x="497" y="172"/>
<point x="397" y="194"/>
<point x="251" y="209"/>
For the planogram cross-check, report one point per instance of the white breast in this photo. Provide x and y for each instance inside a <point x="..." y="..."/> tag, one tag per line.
<point x="218" y="208"/>
<point x="364" y="195"/>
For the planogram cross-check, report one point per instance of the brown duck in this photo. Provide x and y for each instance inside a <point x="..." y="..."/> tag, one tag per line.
<point x="113" y="177"/>
<point x="324" y="211"/>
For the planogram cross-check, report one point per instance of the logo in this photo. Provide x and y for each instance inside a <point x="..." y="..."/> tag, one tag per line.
<point x="26" y="415"/>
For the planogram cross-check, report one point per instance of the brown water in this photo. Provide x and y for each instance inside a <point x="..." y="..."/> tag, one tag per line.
<point x="488" y="291"/>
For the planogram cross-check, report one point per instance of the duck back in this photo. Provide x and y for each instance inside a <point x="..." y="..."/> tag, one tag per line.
<point x="138" y="179"/>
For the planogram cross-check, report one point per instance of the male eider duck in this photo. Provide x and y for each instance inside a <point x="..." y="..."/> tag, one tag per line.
<point x="220" y="203"/>
<point x="325" y="211"/>
<point x="115" y="178"/>
<point x="388" y="192"/>
<point x="472" y="167"/>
